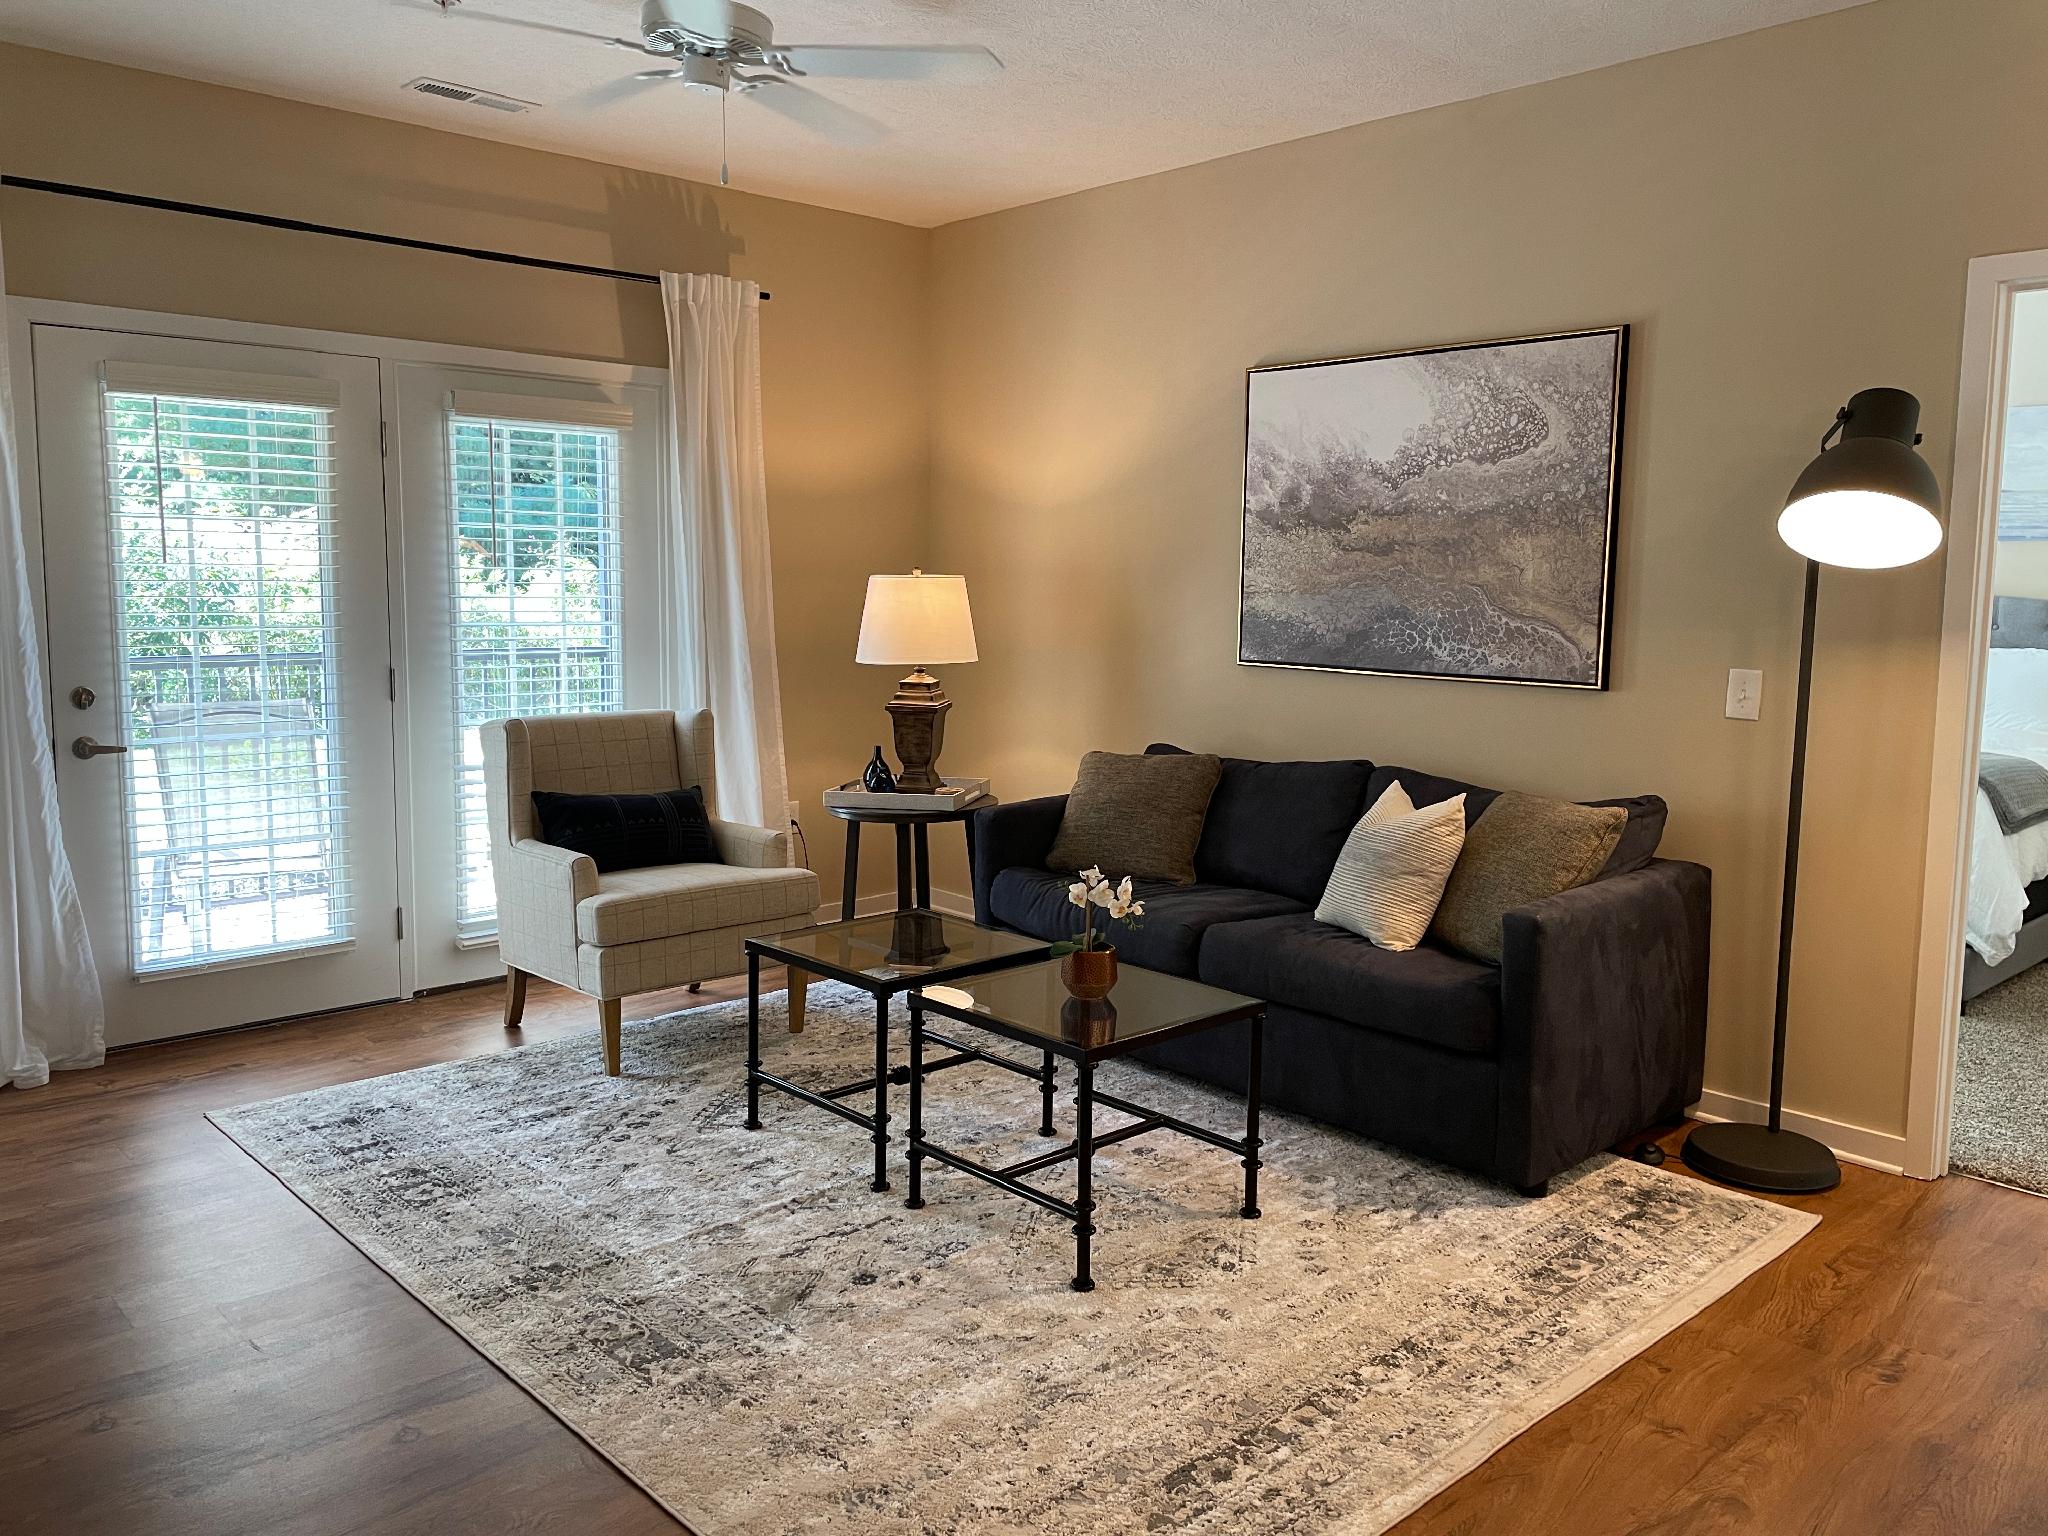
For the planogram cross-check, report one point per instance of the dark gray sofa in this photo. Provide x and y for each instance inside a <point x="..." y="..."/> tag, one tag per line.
<point x="1593" y="1026"/>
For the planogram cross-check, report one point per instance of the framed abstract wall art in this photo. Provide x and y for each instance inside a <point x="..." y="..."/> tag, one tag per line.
<point x="1447" y="512"/>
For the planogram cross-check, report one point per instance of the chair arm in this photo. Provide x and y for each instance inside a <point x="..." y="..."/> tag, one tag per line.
<point x="538" y="888"/>
<point x="747" y="847"/>
<point x="1007" y="836"/>
<point x="1603" y="1015"/>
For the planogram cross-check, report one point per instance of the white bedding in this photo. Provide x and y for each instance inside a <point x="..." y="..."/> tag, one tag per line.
<point x="2002" y="866"/>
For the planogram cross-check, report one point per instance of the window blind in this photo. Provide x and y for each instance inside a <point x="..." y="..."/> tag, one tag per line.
<point x="535" y="520"/>
<point x="235" y="782"/>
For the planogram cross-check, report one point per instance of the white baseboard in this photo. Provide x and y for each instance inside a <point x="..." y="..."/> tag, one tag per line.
<point x="1857" y="1144"/>
<point x="955" y="902"/>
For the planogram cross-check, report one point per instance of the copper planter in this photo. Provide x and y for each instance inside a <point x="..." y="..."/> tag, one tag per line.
<point x="1089" y="973"/>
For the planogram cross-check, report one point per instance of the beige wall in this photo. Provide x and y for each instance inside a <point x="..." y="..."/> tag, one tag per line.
<point x="1784" y="218"/>
<point x="844" y="340"/>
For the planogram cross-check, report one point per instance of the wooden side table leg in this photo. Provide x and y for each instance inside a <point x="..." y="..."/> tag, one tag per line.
<point x="903" y="886"/>
<point x="921" y="857"/>
<point x="799" y="992"/>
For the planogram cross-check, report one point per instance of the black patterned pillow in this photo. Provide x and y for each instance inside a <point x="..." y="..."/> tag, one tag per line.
<point x="629" y="831"/>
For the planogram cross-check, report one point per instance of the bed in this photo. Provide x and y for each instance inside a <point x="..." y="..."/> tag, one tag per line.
<point x="2006" y="929"/>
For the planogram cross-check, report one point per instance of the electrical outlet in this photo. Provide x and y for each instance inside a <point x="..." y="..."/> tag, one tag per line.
<point x="1745" y="693"/>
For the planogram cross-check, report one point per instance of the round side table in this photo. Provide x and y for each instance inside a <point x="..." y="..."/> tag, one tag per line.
<point x="913" y="858"/>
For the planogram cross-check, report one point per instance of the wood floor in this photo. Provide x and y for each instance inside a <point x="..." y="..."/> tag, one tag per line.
<point x="184" y="1348"/>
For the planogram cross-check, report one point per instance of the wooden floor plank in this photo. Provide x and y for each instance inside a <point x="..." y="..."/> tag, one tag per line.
<point x="186" y="1348"/>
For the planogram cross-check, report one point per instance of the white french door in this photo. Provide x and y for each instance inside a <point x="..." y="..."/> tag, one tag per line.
<point x="533" y="585"/>
<point x="215" y="561"/>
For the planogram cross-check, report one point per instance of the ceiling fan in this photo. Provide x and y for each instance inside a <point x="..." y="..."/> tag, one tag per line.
<point x="724" y="47"/>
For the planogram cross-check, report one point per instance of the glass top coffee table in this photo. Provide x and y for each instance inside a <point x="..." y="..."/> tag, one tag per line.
<point x="883" y="956"/>
<point x="1030" y="1005"/>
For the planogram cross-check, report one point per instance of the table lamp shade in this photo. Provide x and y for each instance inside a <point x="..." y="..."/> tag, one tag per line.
<point x="916" y="620"/>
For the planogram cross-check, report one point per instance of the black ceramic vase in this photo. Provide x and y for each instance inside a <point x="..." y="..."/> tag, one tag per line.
<point x="877" y="779"/>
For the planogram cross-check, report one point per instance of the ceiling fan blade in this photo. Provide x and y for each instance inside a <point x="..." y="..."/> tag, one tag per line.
<point x="859" y="61"/>
<point x="818" y="113"/>
<point x="465" y="14"/>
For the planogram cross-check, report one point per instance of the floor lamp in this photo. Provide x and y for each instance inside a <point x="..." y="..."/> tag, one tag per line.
<point x="1868" y="502"/>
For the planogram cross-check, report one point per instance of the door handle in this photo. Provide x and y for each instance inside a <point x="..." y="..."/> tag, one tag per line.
<point x="86" y="747"/>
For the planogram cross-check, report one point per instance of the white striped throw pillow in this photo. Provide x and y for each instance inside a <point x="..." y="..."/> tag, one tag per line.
<point x="1391" y="874"/>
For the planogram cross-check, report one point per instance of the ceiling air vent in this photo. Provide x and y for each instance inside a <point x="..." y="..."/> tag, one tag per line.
<point x="447" y="90"/>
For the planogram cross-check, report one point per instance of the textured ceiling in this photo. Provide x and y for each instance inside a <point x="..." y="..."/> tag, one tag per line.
<point x="1094" y="92"/>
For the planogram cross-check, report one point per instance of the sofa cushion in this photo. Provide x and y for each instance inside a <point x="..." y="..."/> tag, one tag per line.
<point x="1646" y="813"/>
<point x="1426" y="994"/>
<point x="1168" y="937"/>
<point x="1391" y="874"/>
<point x="668" y="900"/>
<point x="1278" y="826"/>
<point x="1525" y="848"/>
<point x="1134" y="815"/>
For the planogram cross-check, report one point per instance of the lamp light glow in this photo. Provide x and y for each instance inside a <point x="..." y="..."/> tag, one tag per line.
<point x="1867" y="530"/>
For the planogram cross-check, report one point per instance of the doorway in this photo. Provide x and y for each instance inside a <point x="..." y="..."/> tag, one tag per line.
<point x="219" y="649"/>
<point x="286" y="576"/>
<point x="1978" y="1098"/>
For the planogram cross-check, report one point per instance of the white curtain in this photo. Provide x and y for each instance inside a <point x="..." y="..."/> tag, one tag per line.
<point x="50" y="1009"/>
<point x="726" y="640"/>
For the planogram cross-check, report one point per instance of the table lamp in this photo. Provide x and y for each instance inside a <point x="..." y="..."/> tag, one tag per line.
<point x="917" y="621"/>
<point x="1868" y="503"/>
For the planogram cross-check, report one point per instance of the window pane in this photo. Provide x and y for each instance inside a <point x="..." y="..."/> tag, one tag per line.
<point x="222" y="539"/>
<point x="536" y="563"/>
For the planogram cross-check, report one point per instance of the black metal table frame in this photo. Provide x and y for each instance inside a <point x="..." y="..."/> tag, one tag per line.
<point x="876" y="1123"/>
<point x="1082" y="1149"/>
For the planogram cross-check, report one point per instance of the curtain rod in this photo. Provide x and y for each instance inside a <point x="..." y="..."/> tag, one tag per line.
<point x="302" y="226"/>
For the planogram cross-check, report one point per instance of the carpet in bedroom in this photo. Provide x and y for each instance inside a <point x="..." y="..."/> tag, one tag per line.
<point x="740" y="1324"/>
<point x="1998" y="1124"/>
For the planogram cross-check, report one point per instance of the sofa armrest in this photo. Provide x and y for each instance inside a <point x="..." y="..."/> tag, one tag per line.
<point x="1603" y="1015"/>
<point x="1007" y="836"/>
<point x="538" y="888"/>
<point x="747" y="847"/>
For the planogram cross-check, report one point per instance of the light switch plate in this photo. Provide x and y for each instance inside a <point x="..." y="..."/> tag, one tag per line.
<point x="1745" y="693"/>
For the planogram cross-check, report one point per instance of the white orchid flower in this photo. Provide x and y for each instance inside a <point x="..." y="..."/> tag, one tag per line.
<point x="1092" y="875"/>
<point x="1077" y="893"/>
<point x="1103" y="894"/>
<point x="1137" y="909"/>
<point x="1118" y="907"/>
<point x="1123" y="890"/>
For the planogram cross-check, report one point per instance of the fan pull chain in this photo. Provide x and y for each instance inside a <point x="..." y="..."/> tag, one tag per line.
<point x="724" y="178"/>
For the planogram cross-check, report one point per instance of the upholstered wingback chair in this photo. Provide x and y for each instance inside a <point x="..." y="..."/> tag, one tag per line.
<point x="631" y="930"/>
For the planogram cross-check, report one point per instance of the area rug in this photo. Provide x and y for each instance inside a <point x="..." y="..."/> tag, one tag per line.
<point x="1998" y="1123"/>
<point x="768" y="1346"/>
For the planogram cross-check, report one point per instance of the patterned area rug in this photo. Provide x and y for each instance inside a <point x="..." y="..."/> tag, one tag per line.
<point x="767" y="1346"/>
<point x="1998" y="1125"/>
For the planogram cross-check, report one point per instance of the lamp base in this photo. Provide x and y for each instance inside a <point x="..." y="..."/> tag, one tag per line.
<point x="919" y="712"/>
<point x="1757" y="1157"/>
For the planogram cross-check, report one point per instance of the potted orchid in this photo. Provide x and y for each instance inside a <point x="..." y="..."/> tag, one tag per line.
<point x="1088" y="960"/>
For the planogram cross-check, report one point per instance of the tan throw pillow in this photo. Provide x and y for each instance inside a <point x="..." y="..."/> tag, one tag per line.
<point x="1136" y="815"/>
<point x="1521" y="849"/>
<point x="1391" y="874"/>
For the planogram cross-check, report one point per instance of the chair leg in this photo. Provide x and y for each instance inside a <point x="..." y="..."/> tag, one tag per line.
<point x="696" y="986"/>
<point x="608" y="1021"/>
<point x="799" y="992"/>
<point x="515" y="996"/>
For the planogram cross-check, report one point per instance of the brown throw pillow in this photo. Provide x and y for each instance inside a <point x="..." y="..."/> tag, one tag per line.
<point x="1522" y="849"/>
<point x="1136" y="815"/>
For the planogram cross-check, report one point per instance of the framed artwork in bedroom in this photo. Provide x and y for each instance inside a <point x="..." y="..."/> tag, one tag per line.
<point x="1445" y="512"/>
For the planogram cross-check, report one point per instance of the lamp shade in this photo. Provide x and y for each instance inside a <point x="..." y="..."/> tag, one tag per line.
<point x="1870" y="501"/>
<point x="916" y="620"/>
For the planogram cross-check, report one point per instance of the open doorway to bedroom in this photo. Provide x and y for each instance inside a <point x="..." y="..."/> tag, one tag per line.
<point x="1998" y="1122"/>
